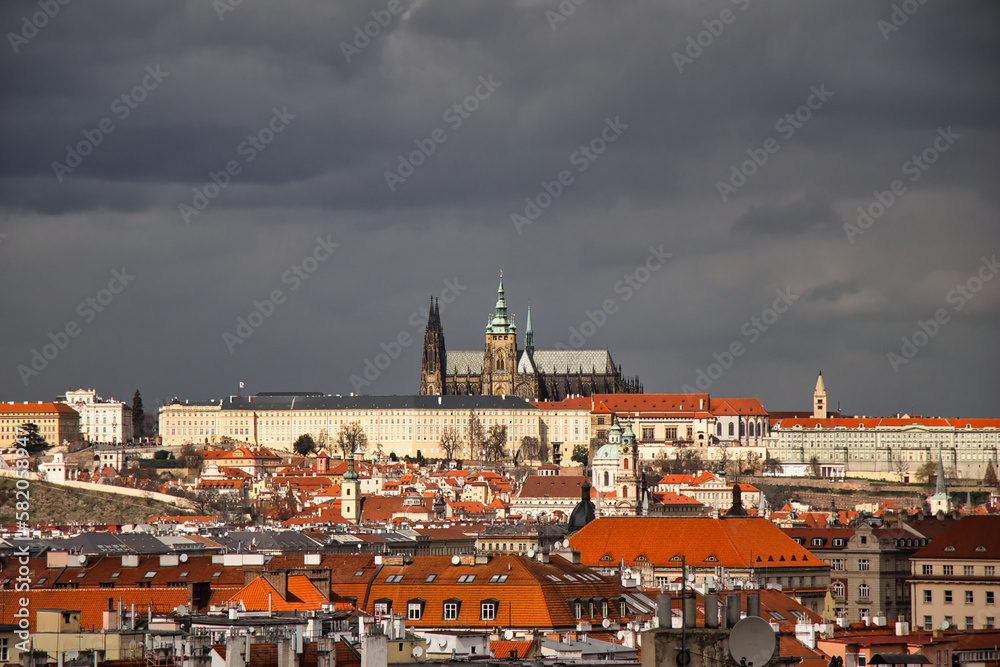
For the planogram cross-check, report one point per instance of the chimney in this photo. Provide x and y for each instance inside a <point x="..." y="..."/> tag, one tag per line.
<point x="690" y="609"/>
<point x="753" y="604"/>
<point x="711" y="610"/>
<point x="732" y="615"/>
<point x="664" y="610"/>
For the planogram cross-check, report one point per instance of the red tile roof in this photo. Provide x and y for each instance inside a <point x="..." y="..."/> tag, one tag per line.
<point x="734" y="542"/>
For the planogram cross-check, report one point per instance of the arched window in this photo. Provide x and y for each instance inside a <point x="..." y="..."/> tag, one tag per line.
<point x="626" y="464"/>
<point x="837" y="589"/>
<point x="731" y="430"/>
<point x="624" y="492"/>
<point x="718" y="429"/>
<point x="751" y="429"/>
<point x="742" y="429"/>
<point x="863" y="591"/>
<point x="607" y="478"/>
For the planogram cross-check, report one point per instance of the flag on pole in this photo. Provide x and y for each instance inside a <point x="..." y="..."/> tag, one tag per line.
<point x="241" y="385"/>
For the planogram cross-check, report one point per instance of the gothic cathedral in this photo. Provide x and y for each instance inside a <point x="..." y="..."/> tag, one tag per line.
<point x="501" y="369"/>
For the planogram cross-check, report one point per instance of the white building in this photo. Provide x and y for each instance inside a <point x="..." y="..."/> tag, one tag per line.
<point x="402" y="425"/>
<point x="107" y="421"/>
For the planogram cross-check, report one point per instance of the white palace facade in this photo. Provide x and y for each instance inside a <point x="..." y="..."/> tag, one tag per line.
<point x="400" y="424"/>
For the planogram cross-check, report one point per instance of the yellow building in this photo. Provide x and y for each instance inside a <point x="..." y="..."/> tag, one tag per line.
<point x="58" y="423"/>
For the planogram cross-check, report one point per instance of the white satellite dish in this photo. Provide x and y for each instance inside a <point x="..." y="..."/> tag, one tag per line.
<point x="531" y="553"/>
<point x="508" y="634"/>
<point x="81" y="559"/>
<point x="184" y="558"/>
<point x="606" y="623"/>
<point x="752" y="639"/>
<point x="455" y="560"/>
<point x="417" y="651"/>
<point x="621" y="634"/>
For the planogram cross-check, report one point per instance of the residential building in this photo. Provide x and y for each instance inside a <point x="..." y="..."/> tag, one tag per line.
<point x="716" y="551"/>
<point x="519" y="594"/>
<point x="101" y="421"/>
<point x="953" y="580"/>
<point x="869" y="568"/>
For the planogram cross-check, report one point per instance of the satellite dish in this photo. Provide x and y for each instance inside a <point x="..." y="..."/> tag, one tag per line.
<point x="531" y="553"/>
<point x="606" y="623"/>
<point x="455" y="560"/>
<point x="184" y="558"/>
<point x="81" y="559"/>
<point x="621" y="634"/>
<point x="752" y="639"/>
<point x="508" y="634"/>
<point x="417" y="651"/>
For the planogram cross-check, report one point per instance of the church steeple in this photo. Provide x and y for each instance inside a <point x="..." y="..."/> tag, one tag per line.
<point x="529" y="336"/>
<point x="500" y="324"/>
<point x="819" y="398"/>
<point x="434" y="363"/>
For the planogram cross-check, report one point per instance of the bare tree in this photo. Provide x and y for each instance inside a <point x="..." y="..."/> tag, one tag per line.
<point x="530" y="448"/>
<point x="350" y="437"/>
<point x="990" y="476"/>
<point x="771" y="466"/>
<point x="814" y="468"/>
<point x="475" y="435"/>
<point x="451" y="442"/>
<point x="496" y="443"/>
<point x="927" y="473"/>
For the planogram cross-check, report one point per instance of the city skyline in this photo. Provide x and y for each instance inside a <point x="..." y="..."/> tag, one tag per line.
<point x="731" y="197"/>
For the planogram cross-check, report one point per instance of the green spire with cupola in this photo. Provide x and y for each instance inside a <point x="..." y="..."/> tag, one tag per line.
<point x="501" y="323"/>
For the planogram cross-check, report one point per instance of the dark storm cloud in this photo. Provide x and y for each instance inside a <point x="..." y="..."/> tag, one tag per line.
<point x="357" y="115"/>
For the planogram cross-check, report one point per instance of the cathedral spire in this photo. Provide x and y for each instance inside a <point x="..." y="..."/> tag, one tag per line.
<point x="529" y="336"/>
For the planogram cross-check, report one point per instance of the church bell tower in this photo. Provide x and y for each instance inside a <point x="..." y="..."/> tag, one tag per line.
<point x="500" y="354"/>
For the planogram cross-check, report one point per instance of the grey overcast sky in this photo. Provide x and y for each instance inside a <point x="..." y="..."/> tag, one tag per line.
<point x="821" y="175"/>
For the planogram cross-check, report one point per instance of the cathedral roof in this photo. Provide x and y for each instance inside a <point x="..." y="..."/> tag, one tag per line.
<point x="550" y="362"/>
<point x="573" y="361"/>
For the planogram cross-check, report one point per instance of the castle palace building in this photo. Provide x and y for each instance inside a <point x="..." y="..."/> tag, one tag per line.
<point x="500" y="368"/>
